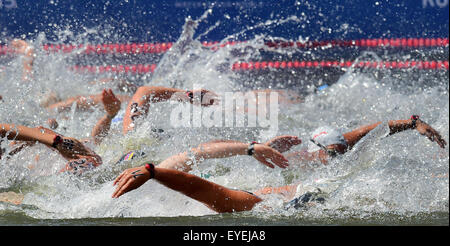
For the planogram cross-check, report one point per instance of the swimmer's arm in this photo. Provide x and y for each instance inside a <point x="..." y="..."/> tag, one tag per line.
<point x="23" y="133"/>
<point x="214" y="150"/>
<point x="215" y="196"/>
<point x="304" y="157"/>
<point x="264" y="154"/>
<point x="19" y="145"/>
<point x="281" y="143"/>
<point x="140" y="102"/>
<point x="81" y="102"/>
<point x="395" y="126"/>
<point x="286" y="142"/>
<point x="101" y="128"/>
<point x="180" y="162"/>
<point x="111" y="105"/>
<point x="70" y="148"/>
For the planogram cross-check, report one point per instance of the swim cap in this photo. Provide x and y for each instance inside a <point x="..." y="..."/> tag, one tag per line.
<point x="306" y="195"/>
<point x="130" y="156"/>
<point x="325" y="136"/>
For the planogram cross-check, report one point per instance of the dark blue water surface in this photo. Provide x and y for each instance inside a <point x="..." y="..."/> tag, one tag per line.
<point x="147" y="21"/>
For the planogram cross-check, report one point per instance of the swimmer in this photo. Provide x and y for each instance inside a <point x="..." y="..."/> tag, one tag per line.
<point x="74" y="150"/>
<point x="140" y="102"/>
<point x="82" y="102"/>
<point x="111" y="104"/>
<point x="222" y="199"/>
<point x="326" y="142"/>
<point x="80" y="158"/>
<point x="145" y="95"/>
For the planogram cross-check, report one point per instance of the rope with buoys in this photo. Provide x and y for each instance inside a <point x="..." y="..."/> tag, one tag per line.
<point x="156" y="48"/>
<point x="262" y="65"/>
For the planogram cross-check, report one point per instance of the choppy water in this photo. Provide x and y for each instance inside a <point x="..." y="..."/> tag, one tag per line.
<point x="398" y="180"/>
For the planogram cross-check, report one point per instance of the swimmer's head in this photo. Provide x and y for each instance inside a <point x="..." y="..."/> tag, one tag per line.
<point x="325" y="136"/>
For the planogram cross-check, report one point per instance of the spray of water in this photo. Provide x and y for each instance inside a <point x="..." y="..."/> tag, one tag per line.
<point x="402" y="174"/>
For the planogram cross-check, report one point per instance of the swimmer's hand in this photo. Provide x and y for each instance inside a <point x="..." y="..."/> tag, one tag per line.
<point x="110" y="102"/>
<point x="80" y="165"/>
<point x="425" y="129"/>
<point x="283" y="143"/>
<point x="130" y="179"/>
<point x="20" y="46"/>
<point x="269" y="156"/>
<point x="71" y="148"/>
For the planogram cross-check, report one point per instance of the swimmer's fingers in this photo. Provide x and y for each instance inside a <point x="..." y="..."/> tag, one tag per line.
<point x="283" y="143"/>
<point x="110" y="102"/>
<point x="425" y="129"/>
<point x="264" y="154"/>
<point x="121" y="177"/>
<point x="117" y="180"/>
<point x="436" y="137"/>
<point x="122" y="188"/>
<point x="265" y="162"/>
<point x="121" y="184"/>
<point x="132" y="178"/>
<point x="442" y="143"/>
<point x="280" y="161"/>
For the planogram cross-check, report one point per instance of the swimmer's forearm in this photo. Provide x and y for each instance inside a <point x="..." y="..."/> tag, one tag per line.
<point x="153" y="93"/>
<point x="101" y="129"/>
<point x="220" y="150"/>
<point x="394" y="126"/>
<point x="23" y="133"/>
<point x="399" y="125"/>
<point x="183" y="161"/>
<point x="216" y="197"/>
<point x="164" y="93"/>
<point x="180" y="162"/>
<point x="354" y="136"/>
<point x="139" y="103"/>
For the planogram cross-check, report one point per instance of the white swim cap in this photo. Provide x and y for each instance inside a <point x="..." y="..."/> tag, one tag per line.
<point x="325" y="136"/>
